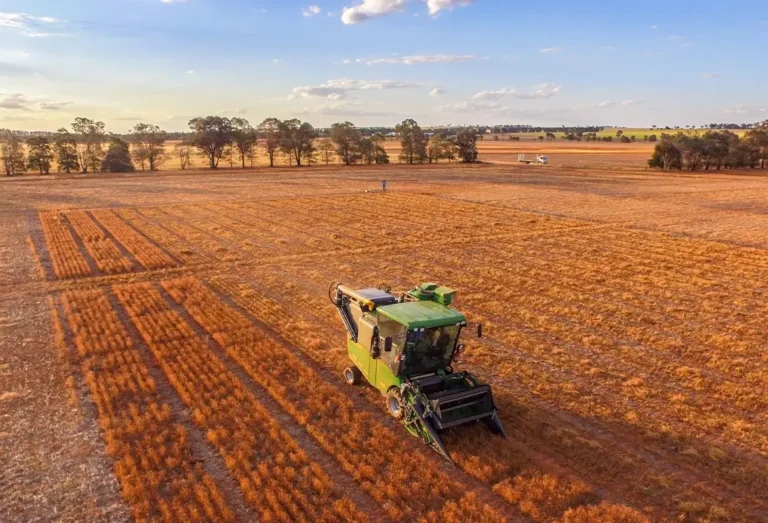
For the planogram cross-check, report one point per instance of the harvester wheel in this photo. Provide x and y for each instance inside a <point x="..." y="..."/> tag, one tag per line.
<point x="352" y="375"/>
<point x="395" y="404"/>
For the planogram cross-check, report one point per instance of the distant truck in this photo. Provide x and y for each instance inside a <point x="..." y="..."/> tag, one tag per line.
<point x="539" y="159"/>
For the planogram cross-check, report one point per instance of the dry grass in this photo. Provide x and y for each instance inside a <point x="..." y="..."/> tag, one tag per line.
<point x="628" y="363"/>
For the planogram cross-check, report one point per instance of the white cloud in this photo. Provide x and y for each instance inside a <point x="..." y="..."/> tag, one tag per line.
<point x="340" y="88"/>
<point x="172" y="1"/>
<point x="52" y="106"/>
<point x="14" y="101"/>
<point x="549" y="50"/>
<point x="435" y="6"/>
<point x="710" y="76"/>
<point x="372" y="9"/>
<point x="436" y="92"/>
<point x="190" y="71"/>
<point x="277" y="60"/>
<point x="478" y="106"/>
<point x="654" y="27"/>
<point x="343" y="109"/>
<point x="742" y="109"/>
<point x="438" y="59"/>
<point x="416" y="59"/>
<point x="605" y="104"/>
<point x="312" y="10"/>
<point x="627" y="103"/>
<point x="28" y="25"/>
<point x="541" y="91"/>
<point x="493" y="95"/>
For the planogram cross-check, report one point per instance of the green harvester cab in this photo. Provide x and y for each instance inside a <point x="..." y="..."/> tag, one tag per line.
<point x="406" y="347"/>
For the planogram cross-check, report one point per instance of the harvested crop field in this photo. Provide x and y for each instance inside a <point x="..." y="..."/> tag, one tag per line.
<point x="169" y="351"/>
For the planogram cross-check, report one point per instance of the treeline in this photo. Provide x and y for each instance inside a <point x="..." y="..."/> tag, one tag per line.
<point x="714" y="150"/>
<point x="87" y="147"/>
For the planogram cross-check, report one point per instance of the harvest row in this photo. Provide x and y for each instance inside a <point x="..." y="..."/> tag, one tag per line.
<point x="277" y="477"/>
<point x="153" y="459"/>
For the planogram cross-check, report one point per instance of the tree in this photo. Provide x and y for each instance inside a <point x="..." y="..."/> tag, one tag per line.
<point x="40" y="154"/>
<point x="440" y="148"/>
<point x="666" y="156"/>
<point x="367" y="150"/>
<point x="148" y="145"/>
<point x="326" y="149"/>
<point x="379" y="152"/>
<point x="118" y="157"/>
<point x="310" y="153"/>
<point x="245" y="138"/>
<point x="758" y="138"/>
<point x="296" y="138"/>
<point x="89" y="143"/>
<point x="347" y="139"/>
<point x="65" y="151"/>
<point x="183" y="151"/>
<point x="466" y="141"/>
<point x="11" y="153"/>
<point x="269" y="130"/>
<point x="212" y="135"/>
<point x="412" y="141"/>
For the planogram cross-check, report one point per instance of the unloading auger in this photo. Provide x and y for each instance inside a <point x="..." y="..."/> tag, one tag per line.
<point x="405" y="347"/>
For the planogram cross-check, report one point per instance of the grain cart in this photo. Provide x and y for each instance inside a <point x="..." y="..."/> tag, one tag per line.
<point x="405" y="347"/>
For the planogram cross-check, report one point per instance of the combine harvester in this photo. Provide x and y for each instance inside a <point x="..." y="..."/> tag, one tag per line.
<point x="405" y="347"/>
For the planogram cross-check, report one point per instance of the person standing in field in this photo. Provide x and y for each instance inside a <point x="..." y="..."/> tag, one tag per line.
<point x="384" y="185"/>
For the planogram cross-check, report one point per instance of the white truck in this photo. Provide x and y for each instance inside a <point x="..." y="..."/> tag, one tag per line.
<point x="539" y="159"/>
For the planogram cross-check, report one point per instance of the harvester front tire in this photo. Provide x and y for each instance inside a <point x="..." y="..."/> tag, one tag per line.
<point x="352" y="375"/>
<point x="395" y="404"/>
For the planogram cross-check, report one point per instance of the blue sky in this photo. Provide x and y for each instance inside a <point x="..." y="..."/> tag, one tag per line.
<point x="376" y="62"/>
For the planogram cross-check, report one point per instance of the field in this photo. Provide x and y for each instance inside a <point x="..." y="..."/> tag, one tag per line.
<point x="170" y="353"/>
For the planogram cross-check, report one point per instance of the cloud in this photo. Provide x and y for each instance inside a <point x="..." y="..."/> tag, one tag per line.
<point x="436" y="92"/>
<point x="277" y="60"/>
<point x="190" y="71"/>
<point x="435" y="6"/>
<point x="53" y="106"/>
<point x="742" y="109"/>
<point x="654" y="27"/>
<point x="438" y="59"/>
<point x="417" y="59"/>
<point x="710" y="76"/>
<point x="14" y="101"/>
<point x="477" y="106"/>
<point x="493" y="95"/>
<point x="627" y="103"/>
<point x="172" y="1"/>
<point x="339" y="89"/>
<point x="312" y="10"/>
<point x="541" y="91"/>
<point x="550" y="50"/>
<point x="372" y="9"/>
<point x="343" y="109"/>
<point x="28" y="25"/>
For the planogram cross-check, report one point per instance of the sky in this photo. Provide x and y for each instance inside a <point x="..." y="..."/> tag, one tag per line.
<point x="377" y="62"/>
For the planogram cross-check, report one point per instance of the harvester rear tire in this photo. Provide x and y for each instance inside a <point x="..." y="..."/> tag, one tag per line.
<point x="352" y="375"/>
<point x="395" y="404"/>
